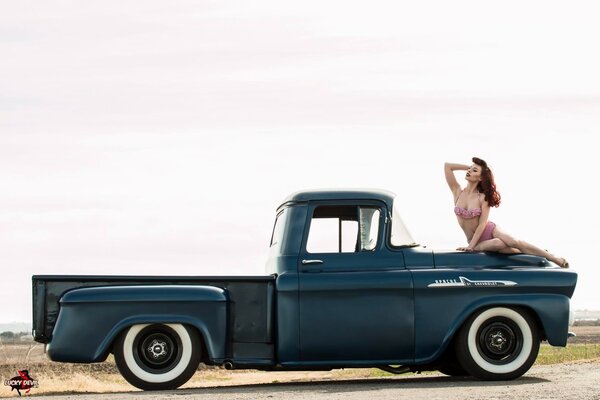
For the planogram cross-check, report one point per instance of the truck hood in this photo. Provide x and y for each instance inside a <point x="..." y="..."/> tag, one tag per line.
<point x="458" y="259"/>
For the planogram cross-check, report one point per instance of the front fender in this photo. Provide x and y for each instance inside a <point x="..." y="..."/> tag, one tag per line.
<point x="90" y="319"/>
<point x="551" y="310"/>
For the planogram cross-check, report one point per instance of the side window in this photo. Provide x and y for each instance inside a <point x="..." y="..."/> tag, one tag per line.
<point x="343" y="229"/>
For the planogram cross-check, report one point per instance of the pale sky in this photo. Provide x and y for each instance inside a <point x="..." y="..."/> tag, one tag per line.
<point x="158" y="137"/>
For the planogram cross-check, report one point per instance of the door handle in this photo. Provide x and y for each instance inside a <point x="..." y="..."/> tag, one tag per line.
<point x="304" y="262"/>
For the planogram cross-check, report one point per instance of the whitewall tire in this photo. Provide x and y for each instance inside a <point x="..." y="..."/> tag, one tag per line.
<point x="498" y="343"/>
<point x="158" y="356"/>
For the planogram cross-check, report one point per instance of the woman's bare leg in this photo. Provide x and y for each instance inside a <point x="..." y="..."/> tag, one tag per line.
<point x="509" y="250"/>
<point x="527" y="248"/>
<point x="496" y="245"/>
<point x="491" y="245"/>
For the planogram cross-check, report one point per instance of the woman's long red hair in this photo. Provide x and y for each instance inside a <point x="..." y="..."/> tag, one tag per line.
<point x="487" y="185"/>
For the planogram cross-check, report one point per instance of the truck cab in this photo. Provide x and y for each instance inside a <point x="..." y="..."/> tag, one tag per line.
<point x="334" y="252"/>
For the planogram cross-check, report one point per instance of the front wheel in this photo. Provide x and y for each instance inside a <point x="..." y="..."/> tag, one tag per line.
<point x="498" y="344"/>
<point x="158" y="356"/>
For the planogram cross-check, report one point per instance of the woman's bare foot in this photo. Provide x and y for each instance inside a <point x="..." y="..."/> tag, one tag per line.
<point x="560" y="261"/>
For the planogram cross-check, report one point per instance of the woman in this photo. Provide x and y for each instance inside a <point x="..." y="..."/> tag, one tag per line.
<point x="472" y="208"/>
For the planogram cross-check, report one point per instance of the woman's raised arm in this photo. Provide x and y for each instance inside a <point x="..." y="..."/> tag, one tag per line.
<point x="449" y="169"/>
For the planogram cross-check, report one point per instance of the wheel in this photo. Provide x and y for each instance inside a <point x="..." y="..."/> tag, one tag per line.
<point x="498" y="344"/>
<point x="449" y="365"/>
<point x="158" y="356"/>
<point x="453" y="370"/>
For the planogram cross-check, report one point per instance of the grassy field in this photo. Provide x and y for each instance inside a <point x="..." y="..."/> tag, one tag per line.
<point x="104" y="377"/>
<point x="573" y="352"/>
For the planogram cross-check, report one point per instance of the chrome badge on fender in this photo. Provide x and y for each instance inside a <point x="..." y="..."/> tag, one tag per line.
<point x="462" y="281"/>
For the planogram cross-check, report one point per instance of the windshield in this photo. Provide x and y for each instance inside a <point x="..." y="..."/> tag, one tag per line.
<point x="400" y="235"/>
<point x="277" y="236"/>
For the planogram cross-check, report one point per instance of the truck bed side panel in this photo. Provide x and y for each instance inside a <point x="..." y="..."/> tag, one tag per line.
<point x="251" y="299"/>
<point x="91" y="318"/>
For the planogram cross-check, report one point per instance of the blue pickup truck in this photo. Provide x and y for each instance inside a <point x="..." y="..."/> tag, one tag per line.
<point x="347" y="286"/>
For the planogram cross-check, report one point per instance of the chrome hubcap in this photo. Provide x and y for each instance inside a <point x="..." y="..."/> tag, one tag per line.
<point x="157" y="349"/>
<point x="497" y="340"/>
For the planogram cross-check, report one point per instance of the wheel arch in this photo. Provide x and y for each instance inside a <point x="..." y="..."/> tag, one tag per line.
<point x="550" y="313"/>
<point x="112" y="337"/>
<point x="526" y="308"/>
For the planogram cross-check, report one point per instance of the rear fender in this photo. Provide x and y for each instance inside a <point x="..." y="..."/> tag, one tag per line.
<point x="90" y="319"/>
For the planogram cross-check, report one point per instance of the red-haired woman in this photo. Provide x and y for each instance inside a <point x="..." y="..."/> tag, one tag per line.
<point x="472" y="208"/>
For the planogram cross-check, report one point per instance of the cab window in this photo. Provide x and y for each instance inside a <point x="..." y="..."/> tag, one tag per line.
<point x="343" y="229"/>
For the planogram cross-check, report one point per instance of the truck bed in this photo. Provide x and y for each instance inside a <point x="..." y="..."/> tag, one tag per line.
<point x="251" y="300"/>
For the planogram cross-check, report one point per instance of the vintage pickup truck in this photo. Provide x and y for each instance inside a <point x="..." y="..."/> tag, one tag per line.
<point x="347" y="286"/>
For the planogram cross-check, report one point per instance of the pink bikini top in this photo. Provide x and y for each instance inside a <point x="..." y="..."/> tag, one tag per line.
<point x="464" y="213"/>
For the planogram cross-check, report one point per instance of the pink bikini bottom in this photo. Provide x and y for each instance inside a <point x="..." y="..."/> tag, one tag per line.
<point x="487" y="232"/>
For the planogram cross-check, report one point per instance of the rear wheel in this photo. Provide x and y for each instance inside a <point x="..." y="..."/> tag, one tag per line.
<point x="498" y="344"/>
<point x="158" y="356"/>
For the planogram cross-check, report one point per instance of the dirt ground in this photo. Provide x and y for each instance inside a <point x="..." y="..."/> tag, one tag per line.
<point x="75" y="380"/>
<point x="580" y="381"/>
<point x="585" y="334"/>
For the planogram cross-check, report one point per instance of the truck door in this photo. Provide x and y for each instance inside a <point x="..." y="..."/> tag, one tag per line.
<point x="356" y="297"/>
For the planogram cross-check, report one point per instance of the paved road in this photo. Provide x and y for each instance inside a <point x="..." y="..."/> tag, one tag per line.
<point x="579" y="381"/>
